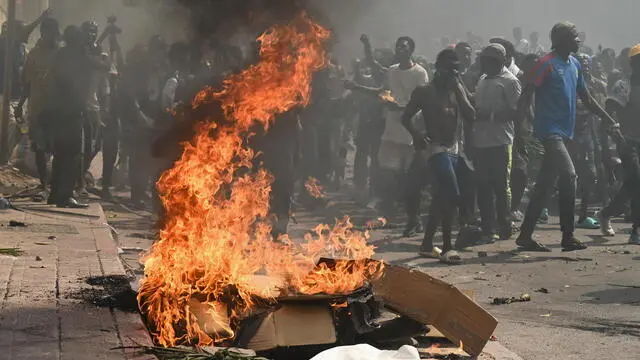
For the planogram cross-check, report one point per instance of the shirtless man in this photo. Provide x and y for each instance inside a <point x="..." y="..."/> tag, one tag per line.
<point x="557" y="81"/>
<point x="444" y="105"/>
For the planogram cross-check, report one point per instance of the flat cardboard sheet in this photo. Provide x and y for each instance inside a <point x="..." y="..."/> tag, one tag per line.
<point x="433" y="302"/>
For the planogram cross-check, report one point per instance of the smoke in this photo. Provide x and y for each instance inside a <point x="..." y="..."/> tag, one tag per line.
<point x="610" y="24"/>
<point x="427" y="21"/>
<point x="139" y="19"/>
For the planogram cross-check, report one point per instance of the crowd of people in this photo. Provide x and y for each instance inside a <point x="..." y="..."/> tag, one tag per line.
<point x="478" y="132"/>
<point x="478" y="127"/>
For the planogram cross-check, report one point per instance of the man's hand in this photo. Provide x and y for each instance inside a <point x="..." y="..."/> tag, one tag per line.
<point x="392" y="104"/>
<point x="615" y="132"/>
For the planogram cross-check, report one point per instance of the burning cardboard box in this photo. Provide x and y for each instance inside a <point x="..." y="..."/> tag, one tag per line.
<point x="417" y="298"/>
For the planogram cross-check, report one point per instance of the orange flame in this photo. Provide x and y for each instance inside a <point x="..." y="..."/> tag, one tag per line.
<point x="314" y="189"/>
<point x="215" y="243"/>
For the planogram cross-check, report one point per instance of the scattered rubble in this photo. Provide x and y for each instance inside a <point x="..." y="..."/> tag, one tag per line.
<point x="505" y="301"/>
<point x="202" y="353"/>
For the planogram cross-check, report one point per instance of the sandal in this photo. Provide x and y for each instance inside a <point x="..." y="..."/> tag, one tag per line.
<point x="451" y="257"/>
<point x="572" y="245"/>
<point x="531" y="245"/>
<point x="432" y="254"/>
<point x="588" y="223"/>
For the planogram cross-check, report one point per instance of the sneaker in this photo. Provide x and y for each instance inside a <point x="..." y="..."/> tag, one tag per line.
<point x="605" y="226"/>
<point x="634" y="239"/>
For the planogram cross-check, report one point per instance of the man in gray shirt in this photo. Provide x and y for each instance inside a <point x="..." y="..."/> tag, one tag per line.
<point x="496" y="100"/>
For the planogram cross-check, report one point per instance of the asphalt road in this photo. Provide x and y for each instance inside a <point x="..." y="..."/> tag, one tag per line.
<point x="591" y="310"/>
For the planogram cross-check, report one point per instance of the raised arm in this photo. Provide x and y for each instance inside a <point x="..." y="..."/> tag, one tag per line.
<point x="28" y="29"/>
<point x="368" y="55"/>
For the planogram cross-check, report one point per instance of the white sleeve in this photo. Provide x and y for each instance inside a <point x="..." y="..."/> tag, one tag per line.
<point x="169" y="93"/>
<point x="424" y="77"/>
<point x="513" y="90"/>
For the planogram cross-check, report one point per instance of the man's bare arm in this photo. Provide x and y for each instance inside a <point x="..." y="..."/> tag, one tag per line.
<point x="466" y="108"/>
<point x="410" y="111"/>
<point x="368" y="54"/>
<point x="28" y="29"/>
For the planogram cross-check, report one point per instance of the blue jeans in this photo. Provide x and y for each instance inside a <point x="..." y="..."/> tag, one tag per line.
<point x="446" y="169"/>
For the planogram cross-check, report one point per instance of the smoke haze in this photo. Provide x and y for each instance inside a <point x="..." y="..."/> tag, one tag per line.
<point x="610" y="24"/>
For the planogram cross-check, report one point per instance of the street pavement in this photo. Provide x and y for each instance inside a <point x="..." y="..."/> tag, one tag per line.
<point x="55" y="295"/>
<point x="591" y="306"/>
<point x="588" y="311"/>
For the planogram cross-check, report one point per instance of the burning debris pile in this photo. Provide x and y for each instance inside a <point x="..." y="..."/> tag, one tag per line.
<point x="216" y="276"/>
<point x="216" y="238"/>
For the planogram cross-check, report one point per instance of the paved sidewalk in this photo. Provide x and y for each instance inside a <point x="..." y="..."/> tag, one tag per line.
<point x="44" y="311"/>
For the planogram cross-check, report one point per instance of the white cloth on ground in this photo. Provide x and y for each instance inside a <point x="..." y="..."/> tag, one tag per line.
<point x="368" y="352"/>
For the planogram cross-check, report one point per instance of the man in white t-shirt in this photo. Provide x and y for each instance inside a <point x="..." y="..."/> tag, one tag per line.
<point x="396" y="150"/>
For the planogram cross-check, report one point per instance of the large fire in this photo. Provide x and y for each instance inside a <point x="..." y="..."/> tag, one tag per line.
<point x="215" y="244"/>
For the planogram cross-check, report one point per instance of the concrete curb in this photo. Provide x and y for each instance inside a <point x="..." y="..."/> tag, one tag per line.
<point x="499" y="352"/>
<point x="131" y="330"/>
